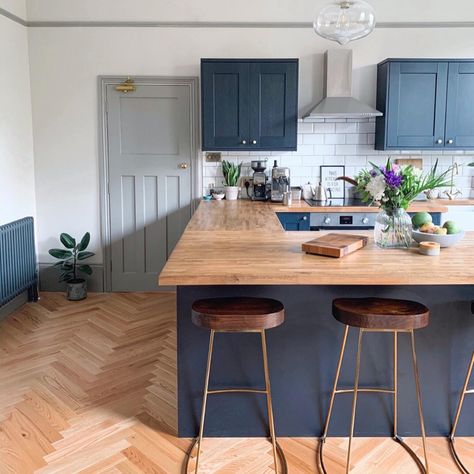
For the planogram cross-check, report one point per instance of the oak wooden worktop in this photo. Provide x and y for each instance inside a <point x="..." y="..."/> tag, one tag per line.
<point x="243" y="243"/>
<point x="438" y="205"/>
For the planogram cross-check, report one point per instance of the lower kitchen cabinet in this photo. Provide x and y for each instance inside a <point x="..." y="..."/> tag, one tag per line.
<point x="294" y="220"/>
<point x="300" y="220"/>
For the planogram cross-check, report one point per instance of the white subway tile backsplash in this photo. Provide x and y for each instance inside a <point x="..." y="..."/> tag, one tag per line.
<point x="324" y="150"/>
<point x="334" y="138"/>
<point x="305" y="127"/>
<point x="346" y="149"/>
<point x="305" y="149"/>
<point x="313" y="139"/>
<point x="356" y="138"/>
<point x="324" y="127"/>
<point x="366" y="127"/>
<point x="334" y="142"/>
<point x="346" y="128"/>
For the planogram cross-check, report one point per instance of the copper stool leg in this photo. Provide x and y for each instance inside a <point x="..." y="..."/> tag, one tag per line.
<point x="204" y="398"/>
<point x="356" y="390"/>
<point x="464" y="392"/>
<point x="277" y="451"/>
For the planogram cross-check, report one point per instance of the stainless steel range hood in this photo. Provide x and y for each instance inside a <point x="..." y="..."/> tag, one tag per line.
<point x="339" y="102"/>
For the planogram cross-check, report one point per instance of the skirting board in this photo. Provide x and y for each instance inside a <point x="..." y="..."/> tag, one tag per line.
<point x="48" y="278"/>
<point x="13" y="305"/>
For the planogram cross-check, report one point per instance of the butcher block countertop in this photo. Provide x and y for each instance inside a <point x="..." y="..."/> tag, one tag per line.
<point x="243" y="243"/>
<point x="438" y="205"/>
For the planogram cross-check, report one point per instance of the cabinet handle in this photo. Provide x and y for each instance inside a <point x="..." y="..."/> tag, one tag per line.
<point x="244" y="142"/>
<point x="450" y="141"/>
<point x="254" y="142"/>
<point x="305" y="218"/>
<point x="439" y="141"/>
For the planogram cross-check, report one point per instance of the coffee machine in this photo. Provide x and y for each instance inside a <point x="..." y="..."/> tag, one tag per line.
<point x="259" y="180"/>
<point x="280" y="182"/>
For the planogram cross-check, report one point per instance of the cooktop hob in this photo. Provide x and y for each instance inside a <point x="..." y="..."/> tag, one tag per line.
<point x="342" y="202"/>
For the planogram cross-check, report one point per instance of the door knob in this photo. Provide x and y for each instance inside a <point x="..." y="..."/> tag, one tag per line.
<point x="439" y="141"/>
<point x="183" y="166"/>
<point x="254" y="142"/>
<point x="244" y="142"/>
<point x="450" y="141"/>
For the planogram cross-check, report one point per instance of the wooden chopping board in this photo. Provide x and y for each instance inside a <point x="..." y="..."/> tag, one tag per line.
<point x="335" y="245"/>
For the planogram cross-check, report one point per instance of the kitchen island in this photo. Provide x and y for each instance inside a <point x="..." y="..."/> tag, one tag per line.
<point x="240" y="248"/>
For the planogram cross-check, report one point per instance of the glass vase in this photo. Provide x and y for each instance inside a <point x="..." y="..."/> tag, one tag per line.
<point x="393" y="229"/>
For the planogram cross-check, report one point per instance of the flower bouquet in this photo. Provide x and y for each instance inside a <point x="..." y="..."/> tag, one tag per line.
<point x="393" y="188"/>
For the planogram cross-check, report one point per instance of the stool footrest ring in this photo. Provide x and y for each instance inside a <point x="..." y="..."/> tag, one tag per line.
<point x="280" y="452"/>
<point x="457" y="459"/>
<point x="366" y="390"/>
<point x="260" y="391"/>
<point x="397" y="438"/>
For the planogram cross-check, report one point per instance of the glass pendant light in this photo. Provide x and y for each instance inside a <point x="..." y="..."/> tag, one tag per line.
<point x="345" y="21"/>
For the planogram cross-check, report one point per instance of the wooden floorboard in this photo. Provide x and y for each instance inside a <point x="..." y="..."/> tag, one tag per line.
<point x="90" y="387"/>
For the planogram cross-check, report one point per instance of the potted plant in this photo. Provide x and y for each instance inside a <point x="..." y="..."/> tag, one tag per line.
<point x="70" y="266"/>
<point x="393" y="188"/>
<point x="231" y="176"/>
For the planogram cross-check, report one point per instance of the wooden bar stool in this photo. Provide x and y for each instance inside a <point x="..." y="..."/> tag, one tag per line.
<point x="465" y="391"/>
<point x="377" y="315"/>
<point x="238" y="315"/>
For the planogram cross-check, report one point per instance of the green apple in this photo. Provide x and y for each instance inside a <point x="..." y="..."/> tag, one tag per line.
<point x="451" y="226"/>
<point x="420" y="219"/>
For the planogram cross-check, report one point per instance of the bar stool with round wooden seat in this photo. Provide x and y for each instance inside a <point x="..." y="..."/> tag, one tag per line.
<point x="465" y="391"/>
<point x="238" y="315"/>
<point x="377" y="315"/>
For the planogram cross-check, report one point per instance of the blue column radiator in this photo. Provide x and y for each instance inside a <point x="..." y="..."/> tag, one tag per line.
<point x="18" y="260"/>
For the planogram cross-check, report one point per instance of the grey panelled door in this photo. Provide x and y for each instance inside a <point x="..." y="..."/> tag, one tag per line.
<point x="150" y="145"/>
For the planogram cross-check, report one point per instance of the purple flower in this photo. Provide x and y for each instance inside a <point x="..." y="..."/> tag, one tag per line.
<point x="373" y="173"/>
<point x="392" y="179"/>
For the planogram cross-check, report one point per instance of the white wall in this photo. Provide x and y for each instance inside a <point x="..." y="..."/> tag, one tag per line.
<point x="65" y="63"/>
<point x="17" y="196"/>
<point x="242" y="10"/>
<point x="17" y="7"/>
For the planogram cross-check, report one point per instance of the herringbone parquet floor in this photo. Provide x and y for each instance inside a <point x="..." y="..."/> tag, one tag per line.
<point x="90" y="387"/>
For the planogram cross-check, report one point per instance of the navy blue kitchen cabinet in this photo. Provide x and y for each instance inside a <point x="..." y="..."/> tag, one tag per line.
<point x="249" y="105"/>
<point x="294" y="220"/>
<point x="425" y="104"/>
<point x="460" y="106"/>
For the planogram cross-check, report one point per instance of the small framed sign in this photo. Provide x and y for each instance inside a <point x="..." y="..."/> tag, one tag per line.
<point x="329" y="173"/>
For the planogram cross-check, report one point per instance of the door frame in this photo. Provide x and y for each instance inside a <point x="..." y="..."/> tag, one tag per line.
<point x="196" y="159"/>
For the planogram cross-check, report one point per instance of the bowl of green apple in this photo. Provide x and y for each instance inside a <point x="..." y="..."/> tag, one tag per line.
<point x="424" y="230"/>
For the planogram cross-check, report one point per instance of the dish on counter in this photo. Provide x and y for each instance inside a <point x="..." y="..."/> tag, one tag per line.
<point x="218" y="196"/>
<point x="447" y="240"/>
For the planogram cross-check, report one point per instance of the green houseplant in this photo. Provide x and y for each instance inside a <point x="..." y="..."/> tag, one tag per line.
<point x="393" y="188"/>
<point x="71" y="266"/>
<point x="231" y="173"/>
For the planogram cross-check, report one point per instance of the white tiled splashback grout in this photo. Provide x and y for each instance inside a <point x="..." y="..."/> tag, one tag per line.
<point x="348" y="142"/>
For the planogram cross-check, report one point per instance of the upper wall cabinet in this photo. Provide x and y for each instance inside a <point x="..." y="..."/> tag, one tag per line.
<point x="425" y="104"/>
<point x="249" y="105"/>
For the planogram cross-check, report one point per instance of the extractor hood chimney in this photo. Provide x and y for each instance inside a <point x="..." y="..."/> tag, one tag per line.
<point x="338" y="102"/>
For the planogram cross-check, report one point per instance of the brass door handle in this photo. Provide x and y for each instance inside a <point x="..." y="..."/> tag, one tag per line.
<point x="183" y="166"/>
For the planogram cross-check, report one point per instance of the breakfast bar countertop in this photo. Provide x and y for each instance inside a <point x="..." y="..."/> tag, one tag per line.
<point x="243" y="243"/>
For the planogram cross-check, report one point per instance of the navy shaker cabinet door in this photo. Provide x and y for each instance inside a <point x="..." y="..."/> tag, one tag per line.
<point x="416" y="105"/>
<point x="249" y="105"/>
<point x="294" y="220"/>
<point x="460" y="106"/>
<point x="225" y="105"/>
<point x="273" y="105"/>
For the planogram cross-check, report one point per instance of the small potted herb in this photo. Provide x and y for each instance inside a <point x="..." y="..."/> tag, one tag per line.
<point x="70" y="266"/>
<point x="231" y="173"/>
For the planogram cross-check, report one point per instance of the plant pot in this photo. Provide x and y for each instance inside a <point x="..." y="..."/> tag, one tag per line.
<point x="76" y="290"/>
<point x="232" y="193"/>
